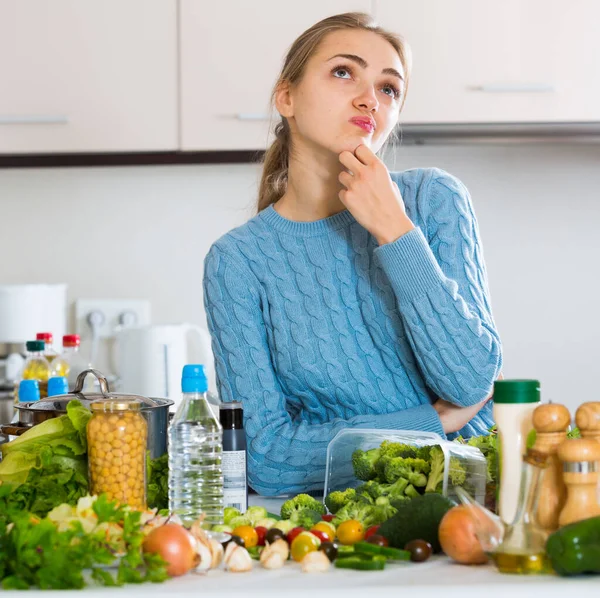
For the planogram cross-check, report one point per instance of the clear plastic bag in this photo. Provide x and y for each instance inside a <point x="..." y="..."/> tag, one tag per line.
<point x="339" y="474"/>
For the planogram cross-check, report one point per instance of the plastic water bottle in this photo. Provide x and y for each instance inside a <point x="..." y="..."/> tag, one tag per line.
<point x="195" y="441"/>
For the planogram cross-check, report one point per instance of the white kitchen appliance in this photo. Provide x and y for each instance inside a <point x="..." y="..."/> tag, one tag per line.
<point x="149" y="359"/>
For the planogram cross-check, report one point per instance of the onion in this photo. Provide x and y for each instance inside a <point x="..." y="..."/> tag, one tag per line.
<point x="458" y="539"/>
<point x="175" y="546"/>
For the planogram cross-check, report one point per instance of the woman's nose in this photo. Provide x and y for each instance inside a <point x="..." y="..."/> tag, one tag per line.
<point x="367" y="100"/>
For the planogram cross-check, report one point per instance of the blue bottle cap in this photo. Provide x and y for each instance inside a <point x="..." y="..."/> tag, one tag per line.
<point x="57" y="385"/>
<point x="29" y="390"/>
<point x="193" y="379"/>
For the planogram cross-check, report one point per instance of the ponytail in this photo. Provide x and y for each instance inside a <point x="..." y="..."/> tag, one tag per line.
<point x="274" y="178"/>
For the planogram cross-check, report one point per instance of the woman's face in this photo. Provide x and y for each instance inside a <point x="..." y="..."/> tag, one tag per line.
<point x="350" y="93"/>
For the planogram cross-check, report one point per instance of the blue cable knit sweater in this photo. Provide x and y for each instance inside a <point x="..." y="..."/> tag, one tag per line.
<point x="316" y="328"/>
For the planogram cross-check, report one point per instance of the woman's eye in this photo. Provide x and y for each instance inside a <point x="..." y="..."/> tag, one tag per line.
<point x="391" y="91"/>
<point x="341" y="73"/>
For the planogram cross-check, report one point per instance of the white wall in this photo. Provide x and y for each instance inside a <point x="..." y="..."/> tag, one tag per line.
<point x="143" y="233"/>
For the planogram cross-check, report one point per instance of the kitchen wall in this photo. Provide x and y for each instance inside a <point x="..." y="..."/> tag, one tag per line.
<point x="143" y="233"/>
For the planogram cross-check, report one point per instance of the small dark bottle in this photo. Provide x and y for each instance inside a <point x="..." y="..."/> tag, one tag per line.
<point x="233" y="461"/>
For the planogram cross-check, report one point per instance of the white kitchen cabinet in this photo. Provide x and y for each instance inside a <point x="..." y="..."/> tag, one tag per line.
<point x="491" y="61"/>
<point x="231" y="53"/>
<point x="88" y="76"/>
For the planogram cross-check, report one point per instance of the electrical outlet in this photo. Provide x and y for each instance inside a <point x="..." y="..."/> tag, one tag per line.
<point x="111" y="314"/>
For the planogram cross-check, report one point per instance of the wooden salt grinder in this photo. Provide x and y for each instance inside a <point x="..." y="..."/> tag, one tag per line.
<point x="551" y="422"/>
<point x="580" y="458"/>
<point x="587" y="419"/>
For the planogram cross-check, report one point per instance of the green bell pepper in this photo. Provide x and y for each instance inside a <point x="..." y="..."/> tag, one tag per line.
<point x="575" y="548"/>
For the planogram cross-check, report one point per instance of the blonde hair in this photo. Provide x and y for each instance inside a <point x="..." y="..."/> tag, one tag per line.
<point x="273" y="182"/>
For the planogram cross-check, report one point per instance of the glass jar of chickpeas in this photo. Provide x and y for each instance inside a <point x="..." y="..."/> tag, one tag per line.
<point x="117" y="436"/>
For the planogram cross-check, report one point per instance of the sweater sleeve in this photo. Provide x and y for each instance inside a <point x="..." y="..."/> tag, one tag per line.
<point x="443" y="296"/>
<point x="285" y="454"/>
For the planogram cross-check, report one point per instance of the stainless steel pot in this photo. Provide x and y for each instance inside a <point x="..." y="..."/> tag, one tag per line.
<point x="156" y="411"/>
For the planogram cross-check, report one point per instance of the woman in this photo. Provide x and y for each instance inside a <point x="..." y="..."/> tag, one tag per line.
<point x="354" y="297"/>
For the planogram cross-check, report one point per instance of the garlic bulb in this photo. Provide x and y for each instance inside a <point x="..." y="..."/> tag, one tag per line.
<point x="315" y="562"/>
<point x="275" y="555"/>
<point x="237" y="559"/>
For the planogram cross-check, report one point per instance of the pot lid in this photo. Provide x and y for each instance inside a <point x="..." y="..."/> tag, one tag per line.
<point x="59" y="402"/>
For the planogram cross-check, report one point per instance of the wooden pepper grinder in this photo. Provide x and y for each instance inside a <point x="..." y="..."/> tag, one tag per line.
<point x="587" y="419"/>
<point x="580" y="458"/>
<point x="551" y="422"/>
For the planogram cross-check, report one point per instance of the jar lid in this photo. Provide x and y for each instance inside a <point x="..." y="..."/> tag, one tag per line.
<point x="35" y="345"/>
<point x="117" y="404"/>
<point x="44" y="336"/>
<point x="516" y="391"/>
<point x="230" y="405"/>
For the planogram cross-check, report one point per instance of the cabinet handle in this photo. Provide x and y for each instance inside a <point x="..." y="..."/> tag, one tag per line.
<point x="35" y="119"/>
<point x="252" y="116"/>
<point x="517" y="88"/>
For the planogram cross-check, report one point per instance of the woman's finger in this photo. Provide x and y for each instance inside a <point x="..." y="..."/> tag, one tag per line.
<point x="351" y="162"/>
<point x="345" y="178"/>
<point x="365" y="155"/>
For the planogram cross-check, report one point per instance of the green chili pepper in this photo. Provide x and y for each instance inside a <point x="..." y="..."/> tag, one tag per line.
<point x="575" y="548"/>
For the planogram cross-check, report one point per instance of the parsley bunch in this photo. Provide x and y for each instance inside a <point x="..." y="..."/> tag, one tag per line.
<point x="33" y="552"/>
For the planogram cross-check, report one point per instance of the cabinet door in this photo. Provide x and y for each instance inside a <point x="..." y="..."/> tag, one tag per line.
<point x="231" y="54"/>
<point x="88" y="76"/>
<point x="477" y="61"/>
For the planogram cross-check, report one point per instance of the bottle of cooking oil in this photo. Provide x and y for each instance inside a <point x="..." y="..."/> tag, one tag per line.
<point x="523" y="548"/>
<point x="36" y="366"/>
<point x="50" y="353"/>
<point x="71" y="362"/>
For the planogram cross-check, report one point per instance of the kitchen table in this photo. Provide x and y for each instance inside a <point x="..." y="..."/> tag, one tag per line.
<point x="432" y="579"/>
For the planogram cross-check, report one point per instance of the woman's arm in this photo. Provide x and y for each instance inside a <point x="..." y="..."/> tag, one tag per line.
<point x="285" y="454"/>
<point x="443" y="296"/>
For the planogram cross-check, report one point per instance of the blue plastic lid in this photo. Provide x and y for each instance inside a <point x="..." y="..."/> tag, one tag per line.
<point x="193" y="378"/>
<point x="57" y="385"/>
<point x="29" y="390"/>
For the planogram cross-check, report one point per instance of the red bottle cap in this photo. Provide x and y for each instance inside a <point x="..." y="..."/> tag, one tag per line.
<point x="71" y="340"/>
<point x="44" y="336"/>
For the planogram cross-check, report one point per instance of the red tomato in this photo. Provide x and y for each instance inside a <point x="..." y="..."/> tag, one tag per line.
<point x="329" y="518"/>
<point x="371" y="531"/>
<point x="261" y="533"/>
<point x="321" y="535"/>
<point x="293" y="533"/>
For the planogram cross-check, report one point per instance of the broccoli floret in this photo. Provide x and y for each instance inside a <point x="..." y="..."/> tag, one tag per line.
<point x="256" y="513"/>
<point x="373" y="490"/>
<point x="358" y="510"/>
<point x="457" y="475"/>
<point x="306" y="518"/>
<point x="388" y="450"/>
<point x="414" y="470"/>
<point x="363" y="463"/>
<point x="411" y="491"/>
<point x="300" y="503"/>
<point x="436" y="475"/>
<point x="370" y="489"/>
<point x="335" y="500"/>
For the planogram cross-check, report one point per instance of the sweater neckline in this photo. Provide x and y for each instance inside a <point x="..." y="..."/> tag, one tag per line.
<point x="306" y="229"/>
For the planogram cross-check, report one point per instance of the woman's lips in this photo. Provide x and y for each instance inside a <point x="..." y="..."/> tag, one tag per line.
<point x="366" y="124"/>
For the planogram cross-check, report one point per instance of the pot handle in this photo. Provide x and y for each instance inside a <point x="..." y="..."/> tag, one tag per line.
<point x="98" y="375"/>
<point x="11" y="430"/>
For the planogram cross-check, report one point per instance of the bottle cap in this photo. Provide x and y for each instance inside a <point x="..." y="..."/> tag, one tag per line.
<point x="35" y="346"/>
<point x="29" y="390"/>
<point x="516" y="391"/>
<point x="57" y="385"/>
<point x="45" y="336"/>
<point x="193" y="378"/>
<point x="71" y="340"/>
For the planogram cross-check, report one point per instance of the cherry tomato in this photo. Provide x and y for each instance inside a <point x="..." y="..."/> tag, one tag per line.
<point x="323" y="537"/>
<point x="248" y="534"/>
<point x="329" y="518"/>
<point x="420" y="550"/>
<point x="378" y="540"/>
<point x="304" y="543"/>
<point x="261" y="532"/>
<point x="293" y="533"/>
<point x="350" y="532"/>
<point x="326" y="528"/>
<point x="371" y="531"/>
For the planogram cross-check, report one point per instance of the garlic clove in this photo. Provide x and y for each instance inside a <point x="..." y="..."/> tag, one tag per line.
<point x="315" y="562"/>
<point x="216" y="549"/>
